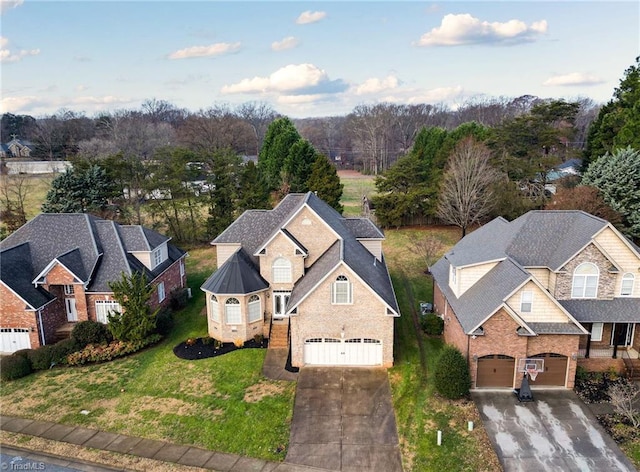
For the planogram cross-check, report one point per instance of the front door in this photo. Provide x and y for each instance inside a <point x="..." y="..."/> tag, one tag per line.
<point x="70" y="304"/>
<point x="622" y="334"/>
<point x="280" y="300"/>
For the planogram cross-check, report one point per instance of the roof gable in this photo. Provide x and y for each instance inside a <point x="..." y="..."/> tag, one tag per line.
<point x="16" y="273"/>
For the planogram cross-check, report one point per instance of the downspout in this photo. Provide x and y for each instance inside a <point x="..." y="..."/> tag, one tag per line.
<point x="42" y="340"/>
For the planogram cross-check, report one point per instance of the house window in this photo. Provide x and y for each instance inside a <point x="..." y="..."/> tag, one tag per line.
<point x="232" y="312"/>
<point x="526" y="303"/>
<point x="215" y="310"/>
<point x="157" y="257"/>
<point x="255" y="313"/>
<point x="281" y="270"/>
<point x="161" y="294"/>
<point x="68" y="290"/>
<point x="585" y="281"/>
<point x="627" y="285"/>
<point x="453" y="275"/>
<point x="596" y="331"/>
<point x="181" y="268"/>
<point x="104" y="307"/>
<point x="342" y="291"/>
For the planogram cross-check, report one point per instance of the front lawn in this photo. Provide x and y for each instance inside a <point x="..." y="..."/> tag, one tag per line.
<point x="420" y="412"/>
<point x="222" y="403"/>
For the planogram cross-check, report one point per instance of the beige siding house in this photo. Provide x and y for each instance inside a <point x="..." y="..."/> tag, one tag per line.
<point x="307" y="278"/>
<point x="557" y="289"/>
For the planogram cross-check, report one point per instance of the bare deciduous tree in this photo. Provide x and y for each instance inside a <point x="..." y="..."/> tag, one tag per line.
<point x="623" y="397"/>
<point x="14" y="189"/>
<point x="428" y="247"/>
<point x="466" y="197"/>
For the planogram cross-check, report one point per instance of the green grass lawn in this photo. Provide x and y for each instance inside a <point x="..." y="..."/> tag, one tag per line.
<point x="222" y="403"/>
<point x="355" y="186"/>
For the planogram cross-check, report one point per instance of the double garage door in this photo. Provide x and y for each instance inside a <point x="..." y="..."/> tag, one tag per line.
<point x="14" y="339"/>
<point x="498" y="371"/>
<point x="333" y="351"/>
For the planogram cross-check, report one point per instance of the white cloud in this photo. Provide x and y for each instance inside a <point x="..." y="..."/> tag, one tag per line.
<point x="206" y="51"/>
<point x="286" y="43"/>
<point x="18" y="104"/>
<point x="294" y="79"/>
<point x="375" y="85"/>
<point x="105" y="100"/>
<point x="437" y="95"/>
<point x="81" y="88"/>
<point x="6" y="5"/>
<point x="456" y="30"/>
<point x="310" y="17"/>
<point x="572" y="79"/>
<point x="6" y="55"/>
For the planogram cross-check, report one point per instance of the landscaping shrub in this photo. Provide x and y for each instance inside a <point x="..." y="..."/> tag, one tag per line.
<point x="164" y="322"/>
<point x="179" y="298"/>
<point x="14" y="367"/>
<point x="90" y="332"/>
<point x="61" y="349"/>
<point x="41" y="358"/>
<point x="108" y="352"/>
<point x="452" y="378"/>
<point x="432" y="324"/>
<point x="23" y="353"/>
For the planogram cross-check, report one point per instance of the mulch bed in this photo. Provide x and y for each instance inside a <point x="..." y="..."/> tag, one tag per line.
<point x="199" y="349"/>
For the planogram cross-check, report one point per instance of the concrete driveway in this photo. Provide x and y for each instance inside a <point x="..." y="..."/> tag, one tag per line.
<point x="555" y="432"/>
<point x="343" y="419"/>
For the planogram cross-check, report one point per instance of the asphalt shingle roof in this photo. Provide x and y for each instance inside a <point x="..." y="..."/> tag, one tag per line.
<point x="617" y="310"/>
<point x="17" y="273"/>
<point x="237" y="275"/>
<point x="363" y="228"/>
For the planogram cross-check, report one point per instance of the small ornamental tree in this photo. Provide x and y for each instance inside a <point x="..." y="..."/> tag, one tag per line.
<point x="452" y="379"/>
<point x="136" y="321"/>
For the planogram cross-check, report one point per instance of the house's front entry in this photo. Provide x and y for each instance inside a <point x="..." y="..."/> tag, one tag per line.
<point x="335" y="351"/>
<point x="72" y="313"/>
<point x="280" y="300"/>
<point x="622" y="334"/>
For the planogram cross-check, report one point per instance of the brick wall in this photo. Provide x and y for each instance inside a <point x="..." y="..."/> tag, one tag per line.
<point x="244" y="331"/>
<point x="13" y="314"/>
<point x="365" y="318"/>
<point x="172" y="281"/>
<point x="602" y="364"/>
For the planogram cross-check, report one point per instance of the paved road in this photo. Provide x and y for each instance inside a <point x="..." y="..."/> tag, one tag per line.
<point x="343" y="420"/>
<point x="556" y="432"/>
<point x="12" y="458"/>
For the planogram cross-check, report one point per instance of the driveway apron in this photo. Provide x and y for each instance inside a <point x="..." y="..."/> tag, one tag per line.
<point x="343" y="420"/>
<point x="555" y="432"/>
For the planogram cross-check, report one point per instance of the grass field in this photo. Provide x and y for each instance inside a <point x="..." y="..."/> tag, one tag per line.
<point x="35" y="186"/>
<point x="356" y="186"/>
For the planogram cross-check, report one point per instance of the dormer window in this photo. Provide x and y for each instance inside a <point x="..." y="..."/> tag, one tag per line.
<point x="156" y="257"/>
<point x="585" y="281"/>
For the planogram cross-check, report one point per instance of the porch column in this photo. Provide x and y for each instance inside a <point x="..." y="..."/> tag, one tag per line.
<point x="615" y="341"/>
<point x="588" y="350"/>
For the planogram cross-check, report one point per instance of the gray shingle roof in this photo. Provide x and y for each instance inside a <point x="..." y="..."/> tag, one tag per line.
<point x="95" y="250"/>
<point x="17" y="272"/>
<point x="315" y="273"/>
<point x="237" y="275"/>
<point x="555" y="328"/>
<point x="255" y="227"/>
<point x="363" y="228"/>
<point x="618" y="310"/>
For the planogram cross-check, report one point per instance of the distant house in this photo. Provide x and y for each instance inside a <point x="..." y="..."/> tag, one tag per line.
<point x="309" y="279"/>
<point x="566" y="169"/>
<point x="560" y="286"/>
<point x="16" y="148"/>
<point x="55" y="271"/>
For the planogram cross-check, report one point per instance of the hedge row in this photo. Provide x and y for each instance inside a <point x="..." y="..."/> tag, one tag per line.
<point x="107" y="352"/>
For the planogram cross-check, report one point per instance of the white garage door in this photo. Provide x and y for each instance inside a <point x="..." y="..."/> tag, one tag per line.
<point x="332" y="351"/>
<point x="14" y="339"/>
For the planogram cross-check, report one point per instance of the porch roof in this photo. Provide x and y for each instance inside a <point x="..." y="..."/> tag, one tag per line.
<point x="618" y="310"/>
<point x="554" y="328"/>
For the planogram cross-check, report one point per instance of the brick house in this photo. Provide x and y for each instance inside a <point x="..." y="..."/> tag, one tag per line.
<point x="554" y="285"/>
<point x="307" y="278"/>
<point x="55" y="270"/>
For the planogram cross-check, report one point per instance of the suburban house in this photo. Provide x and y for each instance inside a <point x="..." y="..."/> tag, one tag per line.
<point x="16" y="148"/>
<point x="55" y="271"/>
<point x="307" y="278"/>
<point x="561" y="286"/>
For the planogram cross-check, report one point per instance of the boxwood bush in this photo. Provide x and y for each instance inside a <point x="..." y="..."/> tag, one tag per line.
<point x="164" y="321"/>
<point x="90" y="332"/>
<point x="41" y="358"/>
<point x="452" y="379"/>
<point x="14" y="367"/>
<point x="432" y="324"/>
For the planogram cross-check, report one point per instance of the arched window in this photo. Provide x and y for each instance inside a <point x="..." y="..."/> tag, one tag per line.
<point x="626" y="290"/>
<point x="215" y="310"/>
<point x="585" y="281"/>
<point x="232" y="312"/>
<point x="342" y="291"/>
<point x="255" y="312"/>
<point x="281" y="270"/>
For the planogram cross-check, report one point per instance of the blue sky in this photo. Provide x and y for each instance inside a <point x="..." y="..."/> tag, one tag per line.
<point x="308" y="58"/>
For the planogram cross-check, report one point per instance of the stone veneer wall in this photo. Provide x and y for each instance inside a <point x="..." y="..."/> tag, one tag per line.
<point x="606" y="281"/>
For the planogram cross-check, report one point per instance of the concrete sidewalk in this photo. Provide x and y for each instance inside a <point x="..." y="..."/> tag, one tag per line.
<point x="147" y="448"/>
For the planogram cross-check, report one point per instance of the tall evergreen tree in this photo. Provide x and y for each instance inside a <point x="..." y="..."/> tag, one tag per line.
<point x="80" y="191"/>
<point x="281" y="136"/>
<point x="222" y="182"/>
<point x="325" y="182"/>
<point x="252" y="191"/>
<point x="297" y="165"/>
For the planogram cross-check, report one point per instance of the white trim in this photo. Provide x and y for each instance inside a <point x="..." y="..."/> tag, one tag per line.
<point x="600" y="326"/>
<point x="585" y="277"/>
<point x="279" y="231"/>
<point x="478" y="263"/>
<point x="633" y="282"/>
<point x="253" y="303"/>
<point x="620" y="236"/>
